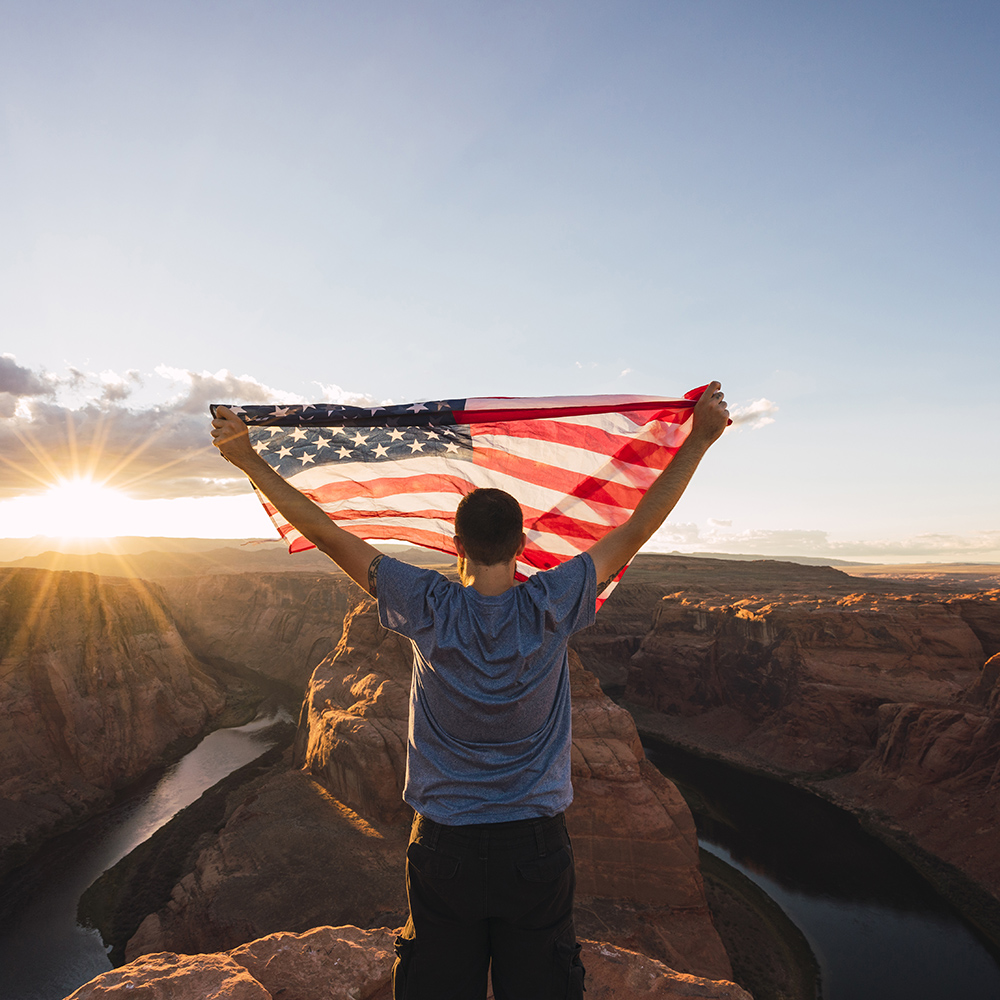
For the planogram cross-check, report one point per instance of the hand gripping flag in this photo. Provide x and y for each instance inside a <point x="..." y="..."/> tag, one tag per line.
<point x="578" y="465"/>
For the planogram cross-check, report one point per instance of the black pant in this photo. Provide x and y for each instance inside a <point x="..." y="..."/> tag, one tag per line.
<point x="497" y="892"/>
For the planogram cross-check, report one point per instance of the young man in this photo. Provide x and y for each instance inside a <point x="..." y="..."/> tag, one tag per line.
<point x="489" y="870"/>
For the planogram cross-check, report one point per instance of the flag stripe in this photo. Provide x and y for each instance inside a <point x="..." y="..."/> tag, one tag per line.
<point x="577" y="465"/>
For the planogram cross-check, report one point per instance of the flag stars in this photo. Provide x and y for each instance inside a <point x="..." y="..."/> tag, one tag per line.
<point x="396" y="434"/>
<point x="360" y="439"/>
<point x="381" y="451"/>
<point x="344" y="452"/>
<point x="305" y="458"/>
<point x="416" y="445"/>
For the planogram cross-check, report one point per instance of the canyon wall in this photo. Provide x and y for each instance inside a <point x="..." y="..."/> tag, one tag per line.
<point x="95" y="685"/>
<point x="326" y="843"/>
<point x="278" y="624"/>
<point x="878" y="698"/>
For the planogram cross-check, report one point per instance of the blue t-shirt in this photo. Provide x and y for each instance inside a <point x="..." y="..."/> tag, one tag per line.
<point x="489" y="735"/>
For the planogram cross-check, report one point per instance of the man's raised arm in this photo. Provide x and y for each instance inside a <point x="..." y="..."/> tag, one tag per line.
<point x="618" y="546"/>
<point x="352" y="554"/>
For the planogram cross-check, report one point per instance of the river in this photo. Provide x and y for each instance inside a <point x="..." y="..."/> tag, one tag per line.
<point x="878" y="930"/>
<point x="44" y="953"/>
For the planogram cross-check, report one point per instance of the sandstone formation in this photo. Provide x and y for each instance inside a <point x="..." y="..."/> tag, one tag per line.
<point x="277" y="624"/>
<point x="345" y="822"/>
<point x="289" y="858"/>
<point x="95" y="685"/>
<point x="633" y="835"/>
<point x="884" y="701"/>
<point x="337" y="963"/>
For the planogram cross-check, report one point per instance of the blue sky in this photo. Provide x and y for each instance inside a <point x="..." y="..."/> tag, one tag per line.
<point x="417" y="200"/>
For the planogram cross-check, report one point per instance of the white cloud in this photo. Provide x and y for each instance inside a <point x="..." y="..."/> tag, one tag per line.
<point x="82" y="424"/>
<point x="754" y="415"/>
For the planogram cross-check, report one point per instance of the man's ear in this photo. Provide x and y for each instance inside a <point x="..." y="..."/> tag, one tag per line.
<point x="520" y="548"/>
<point x="459" y="548"/>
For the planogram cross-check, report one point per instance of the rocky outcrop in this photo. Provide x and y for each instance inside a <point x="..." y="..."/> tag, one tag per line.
<point x="290" y="857"/>
<point x="634" y="838"/>
<point x="633" y="835"/>
<point x="799" y="681"/>
<point x="879" y="700"/>
<point x="277" y="624"/>
<point x="935" y="776"/>
<point x="95" y="685"/>
<point x="348" y="962"/>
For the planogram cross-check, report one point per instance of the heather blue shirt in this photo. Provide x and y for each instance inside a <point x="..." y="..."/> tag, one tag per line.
<point x="489" y="735"/>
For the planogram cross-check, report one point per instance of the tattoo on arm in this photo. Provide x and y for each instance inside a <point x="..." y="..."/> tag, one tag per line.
<point x="373" y="575"/>
<point x="604" y="584"/>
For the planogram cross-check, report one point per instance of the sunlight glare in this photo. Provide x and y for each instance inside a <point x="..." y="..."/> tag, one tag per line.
<point x="82" y="508"/>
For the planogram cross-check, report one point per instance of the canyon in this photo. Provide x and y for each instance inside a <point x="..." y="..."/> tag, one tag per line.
<point x="639" y="884"/>
<point x="96" y="687"/>
<point x="879" y="695"/>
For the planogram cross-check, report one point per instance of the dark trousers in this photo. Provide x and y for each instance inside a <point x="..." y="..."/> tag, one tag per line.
<point x="499" y="893"/>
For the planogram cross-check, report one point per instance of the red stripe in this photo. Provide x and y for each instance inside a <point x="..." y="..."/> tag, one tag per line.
<point x="560" y="480"/>
<point x="649" y="454"/>
<point x="415" y="536"/>
<point x="388" y="486"/>
<point x="674" y="411"/>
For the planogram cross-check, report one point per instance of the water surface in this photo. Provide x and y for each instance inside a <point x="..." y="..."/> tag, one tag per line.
<point x="44" y="953"/>
<point x="878" y="929"/>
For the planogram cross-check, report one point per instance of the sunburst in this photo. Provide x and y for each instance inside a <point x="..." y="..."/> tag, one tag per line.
<point x="82" y="508"/>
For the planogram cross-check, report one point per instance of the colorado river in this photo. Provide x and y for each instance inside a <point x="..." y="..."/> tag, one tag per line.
<point x="44" y="953"/>
<point x="877" y="929"/>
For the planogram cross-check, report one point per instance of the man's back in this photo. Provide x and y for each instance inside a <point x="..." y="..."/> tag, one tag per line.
<point x="489" y="736"/>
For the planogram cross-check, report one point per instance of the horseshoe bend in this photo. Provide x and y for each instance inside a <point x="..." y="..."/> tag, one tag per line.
<point x="879" y="695"/>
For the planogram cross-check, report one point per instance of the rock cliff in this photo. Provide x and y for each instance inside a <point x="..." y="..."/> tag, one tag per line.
<point x="278" y="624"/>
<point x="638" y="877"/>
<point x="95" y="685"/>
<point x="346" y="961"/>
<point x="880" y="699"/>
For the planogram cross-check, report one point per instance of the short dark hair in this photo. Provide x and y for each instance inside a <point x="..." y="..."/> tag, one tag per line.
<point x="489" y="523"/>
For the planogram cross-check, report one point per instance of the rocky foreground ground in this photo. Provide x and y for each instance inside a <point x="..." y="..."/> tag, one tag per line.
<point x="881" y="696"/>
<point x="347" y="963"/>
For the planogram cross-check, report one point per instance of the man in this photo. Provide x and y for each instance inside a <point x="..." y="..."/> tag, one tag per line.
<point x="489" y="869"/>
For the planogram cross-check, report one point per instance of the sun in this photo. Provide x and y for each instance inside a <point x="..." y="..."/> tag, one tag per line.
<point x="82" y="508"/>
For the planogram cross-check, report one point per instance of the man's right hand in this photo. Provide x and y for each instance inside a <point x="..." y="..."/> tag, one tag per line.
<point x="231" y="437"/>
<point x="711" y="415"/>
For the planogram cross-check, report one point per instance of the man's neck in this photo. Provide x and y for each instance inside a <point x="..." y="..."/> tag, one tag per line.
<point x="487" y="580"/>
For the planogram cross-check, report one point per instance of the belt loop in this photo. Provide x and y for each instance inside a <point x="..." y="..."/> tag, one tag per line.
<point x="433" y="831"/>
<point x="540" y="838"/>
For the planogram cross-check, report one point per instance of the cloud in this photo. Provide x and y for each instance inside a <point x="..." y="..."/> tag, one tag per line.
<point x="17" y="383"/>
<point x="754" y="415"/>
<point x="81" y="424"/>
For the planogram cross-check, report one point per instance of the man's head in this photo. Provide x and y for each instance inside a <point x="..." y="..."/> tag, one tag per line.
<point x="490" y="526"/>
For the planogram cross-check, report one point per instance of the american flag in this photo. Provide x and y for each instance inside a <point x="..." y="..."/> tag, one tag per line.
<point x="577" y="465"/>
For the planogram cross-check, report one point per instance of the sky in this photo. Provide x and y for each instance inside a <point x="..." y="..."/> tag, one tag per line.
<point x="394" y="201"/>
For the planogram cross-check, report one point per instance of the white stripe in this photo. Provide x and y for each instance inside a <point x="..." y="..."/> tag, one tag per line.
<point x="580" y="461"/>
